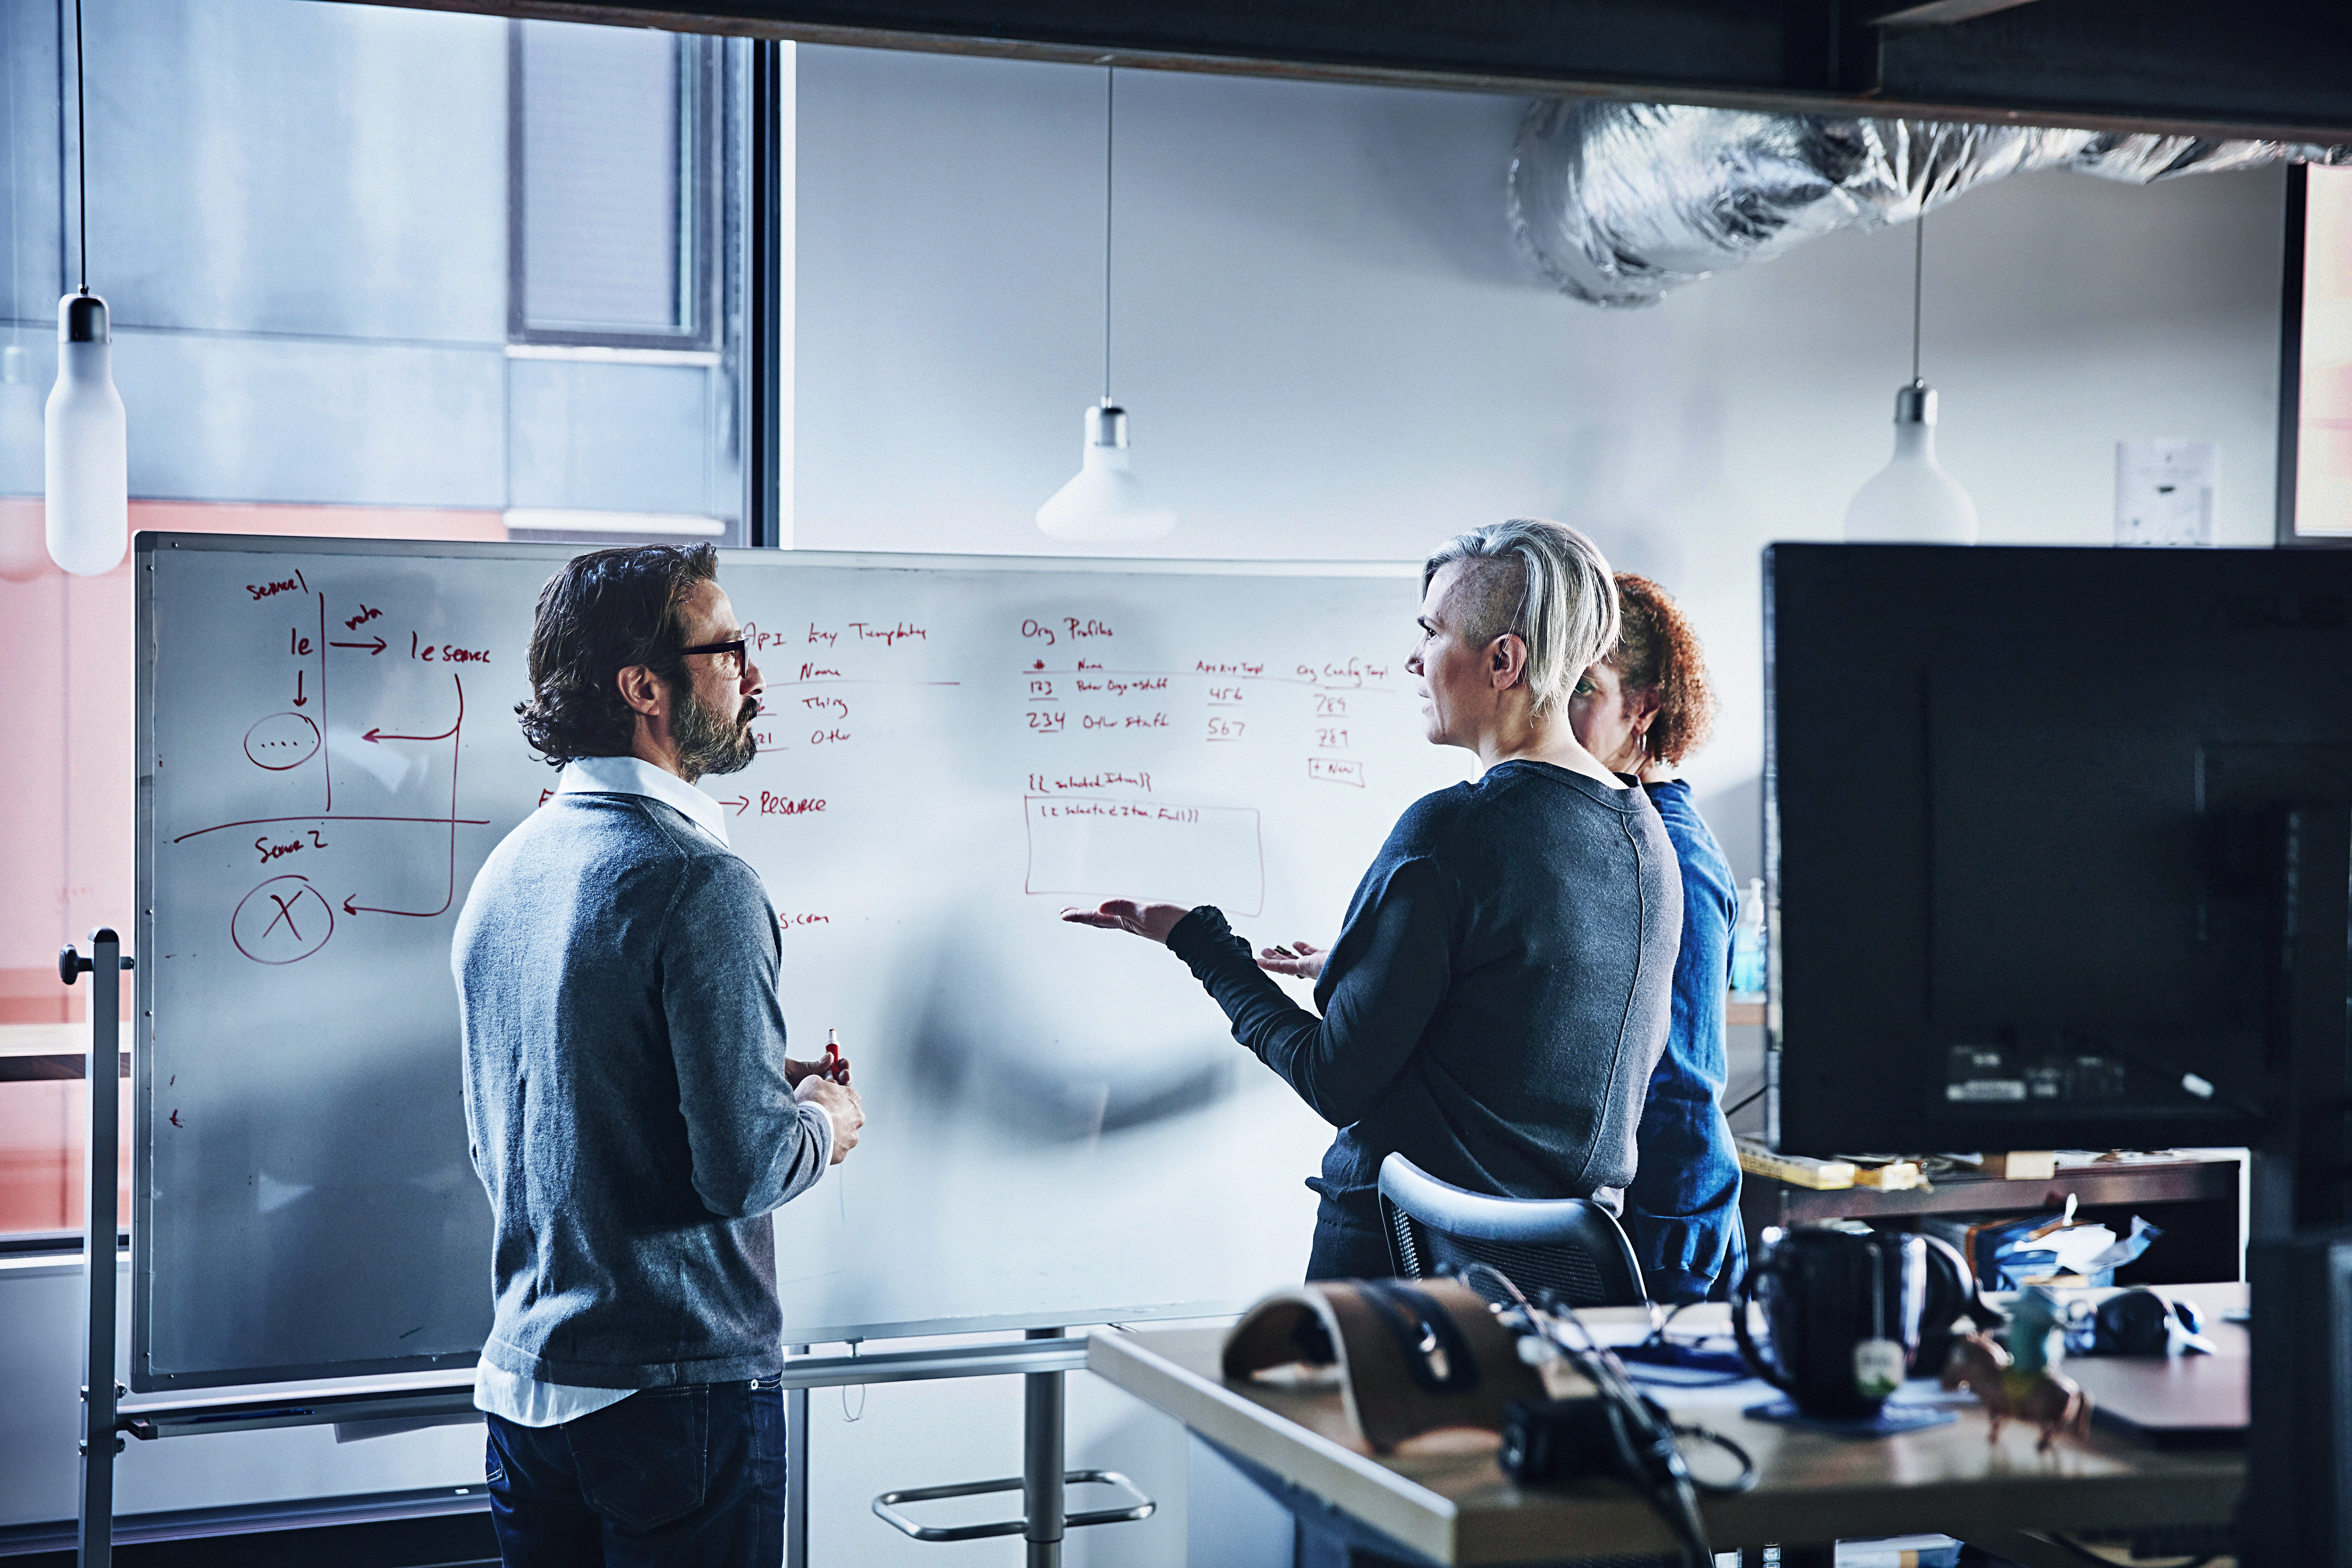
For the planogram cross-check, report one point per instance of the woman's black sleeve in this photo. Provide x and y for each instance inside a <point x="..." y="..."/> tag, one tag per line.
<point x="1384" y="977"/>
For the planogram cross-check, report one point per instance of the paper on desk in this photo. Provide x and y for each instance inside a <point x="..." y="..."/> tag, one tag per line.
<point x="2091" y="1251"/>
<point x="2126" y="1250"/>
<point x="2071" y="1249"/>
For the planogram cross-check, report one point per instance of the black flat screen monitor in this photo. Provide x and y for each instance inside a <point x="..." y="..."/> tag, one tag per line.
<point x="2017" y="805"/>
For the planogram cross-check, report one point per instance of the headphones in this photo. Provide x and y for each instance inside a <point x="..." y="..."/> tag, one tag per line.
<point x="2139" y="1321"/>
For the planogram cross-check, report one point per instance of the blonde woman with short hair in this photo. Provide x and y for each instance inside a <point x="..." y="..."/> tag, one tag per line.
<point x="1498" y="993"/>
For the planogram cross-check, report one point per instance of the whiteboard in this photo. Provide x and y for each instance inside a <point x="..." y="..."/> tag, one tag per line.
<point x="1061" y="1129"/>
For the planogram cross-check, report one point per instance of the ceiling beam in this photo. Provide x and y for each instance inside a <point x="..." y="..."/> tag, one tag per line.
<point x="2249" y="68"/>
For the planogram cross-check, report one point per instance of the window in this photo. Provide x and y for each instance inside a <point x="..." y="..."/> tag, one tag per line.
<point x="375" y="273"/>
<point x="610" y="166"/>
<point x="2316" y="396"/>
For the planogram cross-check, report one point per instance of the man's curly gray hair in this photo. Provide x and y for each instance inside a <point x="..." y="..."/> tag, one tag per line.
<point x="1544" y="582"/>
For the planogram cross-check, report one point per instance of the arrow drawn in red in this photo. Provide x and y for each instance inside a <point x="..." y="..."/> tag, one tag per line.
<point x="374" y="648"/>
<point x="379" y="736"/>
<point x="740" y="803"/>
<point x="351" y="907"/>
<point x="299" y="698"/>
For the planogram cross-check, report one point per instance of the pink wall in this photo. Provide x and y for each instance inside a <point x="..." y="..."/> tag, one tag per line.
<point x="66" y="833"/>
<point x="67" y="828"/>
<point x="41" y="1147"/>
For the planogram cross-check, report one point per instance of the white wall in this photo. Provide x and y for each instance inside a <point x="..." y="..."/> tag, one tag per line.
<point x="1330" y="346"/>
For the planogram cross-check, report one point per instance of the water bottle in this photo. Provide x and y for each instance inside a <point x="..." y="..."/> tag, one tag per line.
<point x="1748" y="941"/>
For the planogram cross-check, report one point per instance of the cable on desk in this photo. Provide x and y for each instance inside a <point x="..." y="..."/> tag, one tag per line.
<point x="1660" y="1339"/>
<point x="1719" y="1380"/>
<point x="1644" y="1436"/>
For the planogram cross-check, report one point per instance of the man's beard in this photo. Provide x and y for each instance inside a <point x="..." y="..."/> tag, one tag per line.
<point x="708" y="744"/>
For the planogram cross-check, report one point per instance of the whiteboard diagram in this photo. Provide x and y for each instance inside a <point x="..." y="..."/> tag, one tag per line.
<point x="950" y="751"/>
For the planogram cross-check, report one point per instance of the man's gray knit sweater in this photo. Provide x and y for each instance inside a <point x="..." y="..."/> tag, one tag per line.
<point x="626" y="1098"/>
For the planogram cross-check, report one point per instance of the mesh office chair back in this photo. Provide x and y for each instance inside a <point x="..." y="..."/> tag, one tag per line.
<point x="1572" y="1245"/>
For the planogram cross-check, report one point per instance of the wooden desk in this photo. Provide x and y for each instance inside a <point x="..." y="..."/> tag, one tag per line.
<point x="1444" y="1497"/>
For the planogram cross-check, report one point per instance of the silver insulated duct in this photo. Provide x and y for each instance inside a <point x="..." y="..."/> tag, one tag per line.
<point x="1620" y="202"/>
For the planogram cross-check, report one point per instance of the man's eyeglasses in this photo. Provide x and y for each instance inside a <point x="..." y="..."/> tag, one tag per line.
<point x="728" y="656"/>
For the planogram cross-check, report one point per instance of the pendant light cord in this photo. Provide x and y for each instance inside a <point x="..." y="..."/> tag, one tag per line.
<point x="1111" y="141"/>
<point x="82" y="155"/>
<point x="1918" y="258"/>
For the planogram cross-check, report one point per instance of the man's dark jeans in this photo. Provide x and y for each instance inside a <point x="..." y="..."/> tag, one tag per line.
<point x="692" y="1474"/>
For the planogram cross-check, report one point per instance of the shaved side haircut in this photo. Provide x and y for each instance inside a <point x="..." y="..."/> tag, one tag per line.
<point x="1541" y="582"/>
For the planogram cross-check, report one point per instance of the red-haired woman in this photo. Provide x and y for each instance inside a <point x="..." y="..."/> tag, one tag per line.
<point x="1641" y="710"/>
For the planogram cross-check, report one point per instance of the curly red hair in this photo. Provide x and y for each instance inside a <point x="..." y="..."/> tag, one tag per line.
<point x="1657" y="650"/>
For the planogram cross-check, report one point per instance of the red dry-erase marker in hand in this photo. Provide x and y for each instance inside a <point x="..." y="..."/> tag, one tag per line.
<point x="836" y="1067"/>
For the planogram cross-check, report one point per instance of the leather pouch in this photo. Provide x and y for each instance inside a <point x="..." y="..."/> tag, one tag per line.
<point x="1412" y="1355"/>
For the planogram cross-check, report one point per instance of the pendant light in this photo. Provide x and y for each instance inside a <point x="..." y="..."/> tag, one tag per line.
<point x="1106" y="502"/>
<point x="88" y="507"/>
<point x="1913" y="500"/>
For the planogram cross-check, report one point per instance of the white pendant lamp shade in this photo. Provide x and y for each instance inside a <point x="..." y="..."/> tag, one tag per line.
<point x="1106" y="502"/>
<point x="1912" y="500"/>
<point x="83" y="453"/>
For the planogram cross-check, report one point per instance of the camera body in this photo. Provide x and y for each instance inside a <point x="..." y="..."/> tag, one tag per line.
<point x="1548" y="1441"/>
<point x="1551" y="1440"/>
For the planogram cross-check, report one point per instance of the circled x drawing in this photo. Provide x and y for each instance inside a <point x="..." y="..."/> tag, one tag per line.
<point x="282" y="920"/>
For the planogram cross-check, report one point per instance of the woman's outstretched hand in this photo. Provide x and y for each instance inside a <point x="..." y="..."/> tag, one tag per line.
<point x="1152" y="920"/>
<point x="1303" y="960"/>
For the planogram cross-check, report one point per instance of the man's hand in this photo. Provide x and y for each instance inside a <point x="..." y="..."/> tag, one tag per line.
<point x="1301" y="959"/>
<point x="837" y="1100"/>
<point x="831" y="1065"/>
<point x="1153" y="921"/>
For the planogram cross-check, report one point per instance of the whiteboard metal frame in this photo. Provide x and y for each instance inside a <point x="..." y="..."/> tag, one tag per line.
<point x="147" y="545"/>
<point x="148" y="542"/>
<point x="359" y="1400"/>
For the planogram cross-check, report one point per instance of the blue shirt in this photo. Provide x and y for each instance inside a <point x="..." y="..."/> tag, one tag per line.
<point x="1682" y="1207"/>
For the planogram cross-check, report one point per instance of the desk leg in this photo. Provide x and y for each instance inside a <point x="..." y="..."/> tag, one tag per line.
<point x="796" y="1476"/>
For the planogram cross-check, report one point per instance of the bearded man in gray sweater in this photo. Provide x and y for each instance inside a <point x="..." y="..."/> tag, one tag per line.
<point x="631" y="1110"/>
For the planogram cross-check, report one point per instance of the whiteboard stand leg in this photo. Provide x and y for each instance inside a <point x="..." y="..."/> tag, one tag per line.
<point x="796" y="1476"/>
<point x="1042" y="1482"/>
<point x="100" y="1440"/>
<point x="1041" y="1461"/>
